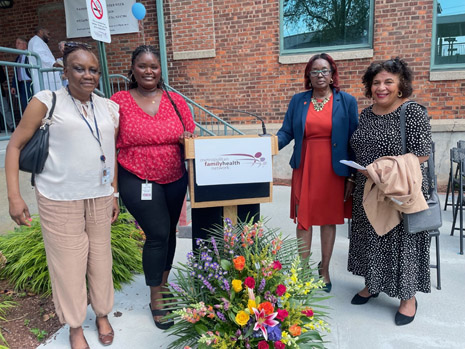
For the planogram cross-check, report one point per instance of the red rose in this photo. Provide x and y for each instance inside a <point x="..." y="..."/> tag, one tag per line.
<point x="308" y="312"/>
<point x="282" y="314"/>
<point x="263" y="345"/>
<point x="277" y="265"/>
<point x="280" y="290"/>
<point x="249" y="282"/>
<point x="279" y="345"/>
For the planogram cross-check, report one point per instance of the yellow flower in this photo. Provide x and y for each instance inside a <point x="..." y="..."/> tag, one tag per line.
<point x="251" y="304"/>
<point x="237" y="285"/>
<point x="242" y="318"/>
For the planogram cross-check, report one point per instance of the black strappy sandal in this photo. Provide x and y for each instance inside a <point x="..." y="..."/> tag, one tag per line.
<point x="161" y="312"/>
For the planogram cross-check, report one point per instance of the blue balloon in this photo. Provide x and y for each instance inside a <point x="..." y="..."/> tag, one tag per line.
<point x="138" y="10"/>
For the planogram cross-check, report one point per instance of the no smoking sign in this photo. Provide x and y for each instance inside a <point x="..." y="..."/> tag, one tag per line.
<point x="98" y="20"/>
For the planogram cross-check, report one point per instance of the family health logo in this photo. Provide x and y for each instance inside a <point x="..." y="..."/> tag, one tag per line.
<point x="256" y="160"/>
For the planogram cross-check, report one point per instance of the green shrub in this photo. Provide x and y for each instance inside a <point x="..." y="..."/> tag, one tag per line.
<point x="4" y="306"/>
<point x="26" y="266"/>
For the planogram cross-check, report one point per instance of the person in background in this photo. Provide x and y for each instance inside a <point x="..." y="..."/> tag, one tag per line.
<point x="320" y="121"/>
<point x="151" y="172"/>
<point x="5" y="108"/>
<point x="38" y="44"/>
<point x="61" y="47"/>
<point x="396" y="263"/>
<point x="21" y="85"/>
<point x="76" y="192"/>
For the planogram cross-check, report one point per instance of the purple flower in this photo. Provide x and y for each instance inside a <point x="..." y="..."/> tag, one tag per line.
<point x="177" y="288"/>
<point x="274" y="333"/>
<point x="221" y="316"/>
<point x="262" y="285"/>
<point x="226" y="285"/>
<point x="215" y="248"/>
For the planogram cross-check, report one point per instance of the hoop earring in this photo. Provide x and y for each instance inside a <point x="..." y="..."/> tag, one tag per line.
<point x="399" y="94"/>
<point x="331" y="81"/>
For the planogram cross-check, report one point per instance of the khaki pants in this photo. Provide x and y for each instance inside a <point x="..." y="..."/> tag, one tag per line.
<point x="77" y="243"/>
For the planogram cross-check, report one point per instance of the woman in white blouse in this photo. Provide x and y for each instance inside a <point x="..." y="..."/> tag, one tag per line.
<point x="76" y="192"/>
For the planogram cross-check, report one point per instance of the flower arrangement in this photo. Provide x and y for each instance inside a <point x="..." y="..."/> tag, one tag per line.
<point x="247" y="287"/>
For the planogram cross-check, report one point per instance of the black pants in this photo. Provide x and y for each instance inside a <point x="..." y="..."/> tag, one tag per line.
<point x="157" y="218"/>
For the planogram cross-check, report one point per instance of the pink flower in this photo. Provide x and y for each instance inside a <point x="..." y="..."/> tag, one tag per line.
<point x="249" y="282"/>
<point x="277" y="265"/>
<point x="280" y="290"/>
<point x="263" y="345"/>
<point x="262" y="319"/>
<point x="279" y="345"/>
<point x="308" y="312"/>
<point x="282" y="314"/>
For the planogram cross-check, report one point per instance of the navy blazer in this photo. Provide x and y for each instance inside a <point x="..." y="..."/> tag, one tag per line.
<point x="344" y="123"/>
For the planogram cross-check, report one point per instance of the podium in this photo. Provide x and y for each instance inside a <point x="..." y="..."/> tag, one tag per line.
<point x="226" y="198"/>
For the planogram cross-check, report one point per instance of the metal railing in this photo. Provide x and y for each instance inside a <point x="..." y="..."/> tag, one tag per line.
<point x="208" y="124"/>
<point x="12" y="105"/>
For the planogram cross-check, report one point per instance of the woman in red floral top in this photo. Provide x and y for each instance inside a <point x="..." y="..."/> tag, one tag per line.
<point x="152" y="177"/>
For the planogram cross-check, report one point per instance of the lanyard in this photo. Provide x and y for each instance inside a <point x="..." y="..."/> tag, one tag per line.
<point x="97" y="138"/>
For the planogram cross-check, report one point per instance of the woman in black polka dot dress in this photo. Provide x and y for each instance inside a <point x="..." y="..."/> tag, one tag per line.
<point x="397" y="263"/>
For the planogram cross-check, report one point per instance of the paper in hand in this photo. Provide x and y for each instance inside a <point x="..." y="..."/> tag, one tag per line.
<point x="352" y="164"/>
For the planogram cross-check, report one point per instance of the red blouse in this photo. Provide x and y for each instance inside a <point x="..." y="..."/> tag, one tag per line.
<point x="149" y="145"/>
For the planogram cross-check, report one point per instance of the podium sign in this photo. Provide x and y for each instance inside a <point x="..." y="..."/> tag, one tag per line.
<point x="227" y="187"/>
<point x="233" y="161"/>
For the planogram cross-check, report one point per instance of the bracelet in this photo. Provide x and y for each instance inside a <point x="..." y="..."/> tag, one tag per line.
<point x="116" y="194"/>
<point x="350" y="180"/>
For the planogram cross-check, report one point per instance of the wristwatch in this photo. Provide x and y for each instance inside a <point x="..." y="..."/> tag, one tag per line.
<point x="116" y="194"/>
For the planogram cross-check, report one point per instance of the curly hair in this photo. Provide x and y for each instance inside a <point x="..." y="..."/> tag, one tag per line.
<point x="396" y="66"/>
<point x="332" y="63"/>
<point x="136" y="53"/>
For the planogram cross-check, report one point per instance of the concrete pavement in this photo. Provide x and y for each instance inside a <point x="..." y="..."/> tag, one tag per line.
<point x="440" y="320"/>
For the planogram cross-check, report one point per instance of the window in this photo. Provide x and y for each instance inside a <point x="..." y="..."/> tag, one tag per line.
<point x="448" y="34"/>
<point x="310" y="25"/>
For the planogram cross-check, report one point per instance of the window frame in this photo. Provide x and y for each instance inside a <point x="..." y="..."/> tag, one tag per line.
<point x="368" y="45"/>
<point x="439" y="67"/>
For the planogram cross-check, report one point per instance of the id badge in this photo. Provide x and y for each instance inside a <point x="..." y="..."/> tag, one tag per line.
<point x="106" y="173"/>
<point x="146" y="192"/>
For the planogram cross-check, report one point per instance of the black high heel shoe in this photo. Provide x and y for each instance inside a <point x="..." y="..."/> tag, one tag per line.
<point x="402" y="319"/>
<point x="358" y="300"/>
<point x="329" y="285"/>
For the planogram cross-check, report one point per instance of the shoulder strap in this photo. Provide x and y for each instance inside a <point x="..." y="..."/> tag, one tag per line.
<point x="402" y="126"/>
<point x="52" y="109"/>
<point x="174" y="106"/>
<point x="430" y="162"/>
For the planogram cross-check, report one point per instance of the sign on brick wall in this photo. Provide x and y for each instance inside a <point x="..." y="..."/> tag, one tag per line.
<point x="120" y="18"/>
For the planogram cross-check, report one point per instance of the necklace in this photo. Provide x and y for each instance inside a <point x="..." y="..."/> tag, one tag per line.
<point x="143" y="96"/>
<point x="319" y="105"/>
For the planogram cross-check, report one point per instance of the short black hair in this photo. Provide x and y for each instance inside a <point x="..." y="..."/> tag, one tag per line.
<point x="395" y="66"/>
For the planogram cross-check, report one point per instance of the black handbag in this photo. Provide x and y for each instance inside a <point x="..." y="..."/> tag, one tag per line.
<point x="35" y="152"/>
<point x="431" y="218"/>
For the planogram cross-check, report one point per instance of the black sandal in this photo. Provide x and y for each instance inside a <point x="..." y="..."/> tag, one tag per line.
<point x="161" y="312"/>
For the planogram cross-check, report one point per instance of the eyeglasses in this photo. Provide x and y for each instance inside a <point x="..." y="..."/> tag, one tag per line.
<point x="324" y="72"/>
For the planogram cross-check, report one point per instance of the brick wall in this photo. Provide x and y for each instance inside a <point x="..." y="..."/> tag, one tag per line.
<point x="245" y="72"/>
<point x="25" y="16"/>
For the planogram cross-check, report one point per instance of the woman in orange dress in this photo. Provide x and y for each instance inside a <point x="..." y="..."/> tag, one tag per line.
<point x="320" y="121"/>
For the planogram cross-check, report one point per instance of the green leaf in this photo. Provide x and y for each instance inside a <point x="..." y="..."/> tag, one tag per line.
<point x="225" y="264"/>
<point x="200" y="328"/>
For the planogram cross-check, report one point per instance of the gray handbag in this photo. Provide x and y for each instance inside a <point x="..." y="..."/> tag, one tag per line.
<point x="431" y="218"/>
